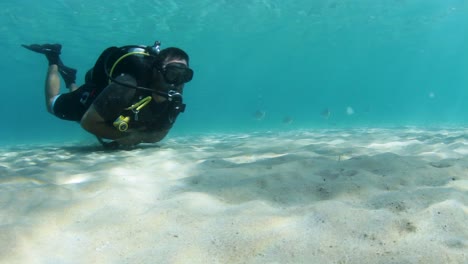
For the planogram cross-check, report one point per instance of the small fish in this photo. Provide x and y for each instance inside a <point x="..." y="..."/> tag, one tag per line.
<point x="259" y="114"/>
<point x="287" y="120"/>
<point x="367" y="109"/>
<point x="325" y="113"/>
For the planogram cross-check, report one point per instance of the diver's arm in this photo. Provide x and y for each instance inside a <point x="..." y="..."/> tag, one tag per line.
<point x="134" y="137"/>
<point x="154" y="136"/>
<point x="95" y="124"/>
<point x="99" y="117"/>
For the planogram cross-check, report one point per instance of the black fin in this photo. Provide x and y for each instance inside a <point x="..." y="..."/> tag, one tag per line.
<point x="68" y="74"/>
<point x="51" y="51"/>
<point x="47" y="49"/>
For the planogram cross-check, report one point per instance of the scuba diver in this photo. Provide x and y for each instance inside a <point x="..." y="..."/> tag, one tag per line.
<point x="132" y="95"/>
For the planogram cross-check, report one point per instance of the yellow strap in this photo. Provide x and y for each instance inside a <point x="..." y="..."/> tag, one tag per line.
<point x="123" y="57"/>
<point x="139" y="105"/>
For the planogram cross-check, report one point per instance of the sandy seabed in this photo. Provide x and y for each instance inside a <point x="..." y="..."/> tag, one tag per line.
<point x="324" y="196"/>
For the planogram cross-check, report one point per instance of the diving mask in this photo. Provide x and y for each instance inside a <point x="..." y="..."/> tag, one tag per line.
<point x="176" y="73"/>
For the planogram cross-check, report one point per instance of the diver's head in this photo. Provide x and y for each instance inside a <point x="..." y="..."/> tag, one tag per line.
<point x="172" y="69"/>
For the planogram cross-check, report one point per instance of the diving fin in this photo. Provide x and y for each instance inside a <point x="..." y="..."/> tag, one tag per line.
<point x="52" y="52"/>
<point x="68" y="74"/>
<point x="47" y="49"/>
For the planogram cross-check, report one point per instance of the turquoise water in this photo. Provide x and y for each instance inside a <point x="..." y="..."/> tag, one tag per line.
<point x="370" y="63"/>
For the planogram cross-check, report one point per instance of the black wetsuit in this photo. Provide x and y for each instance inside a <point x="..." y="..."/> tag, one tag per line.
<point x="110" y="100"/>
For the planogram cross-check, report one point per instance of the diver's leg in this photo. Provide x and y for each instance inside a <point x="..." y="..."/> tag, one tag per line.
<point x="52" y="86"/>
<point x="73" y="87"/>
<point x="52" y="53"/>
<point x="68" y="75"/>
